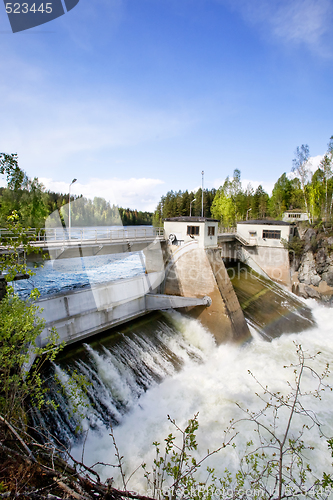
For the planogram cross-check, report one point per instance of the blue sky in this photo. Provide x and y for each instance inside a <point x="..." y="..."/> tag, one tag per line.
<point x="137" y="97"/>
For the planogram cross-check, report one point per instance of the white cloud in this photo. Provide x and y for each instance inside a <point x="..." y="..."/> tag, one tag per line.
<point x="82" y="129"/>
<point x="135" y="193"/>
<point x="266" y="185"/>
<point x="55" y="129"/>
<point x="313" y="165"/>
<point x="314" y="162"/>
<point x="299" y="21"/>
<point x="302" y="20"/>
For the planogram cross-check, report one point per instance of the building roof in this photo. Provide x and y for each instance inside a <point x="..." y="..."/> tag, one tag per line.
<point x="190" y="219"/>
<point x="295" y="210"/>
<point x="265" y="222"/>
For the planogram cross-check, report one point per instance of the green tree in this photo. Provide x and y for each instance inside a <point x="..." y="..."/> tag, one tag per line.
<point x="280" y="200"/>
<point x="32" y="204"/>
<point x="223" y="207"/>
<point x="302" y="170"/>
<point x="259" y="203"/>
<point x="9" y="167"/>
<point x="229" y="204"/>
<point x="326" y="167"/>
<point x="20" y="325"/>
<point x="316" y="194"/>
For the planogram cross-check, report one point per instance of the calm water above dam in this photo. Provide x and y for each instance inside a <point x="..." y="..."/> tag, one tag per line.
<point x="80" y="272"/>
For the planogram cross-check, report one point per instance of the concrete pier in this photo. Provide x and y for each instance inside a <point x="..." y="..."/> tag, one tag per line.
<point x="194" y="271"/>
<point x="80" y="314"/>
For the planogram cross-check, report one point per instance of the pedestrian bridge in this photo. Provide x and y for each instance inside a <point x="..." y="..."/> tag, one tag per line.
<point x="63" y="243"/>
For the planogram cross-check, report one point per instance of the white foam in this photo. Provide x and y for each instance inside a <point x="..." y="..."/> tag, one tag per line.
<point x="212" y="383"/>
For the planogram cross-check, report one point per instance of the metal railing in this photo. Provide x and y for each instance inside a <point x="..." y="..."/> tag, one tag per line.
<point x="6" y="233"/>
<point x="81" y="235"/>
<point x="227" y="230"/>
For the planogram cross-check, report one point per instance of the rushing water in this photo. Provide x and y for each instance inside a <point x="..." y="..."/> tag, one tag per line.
<point x="211" y="381"/>
<point x="169" y="364"/>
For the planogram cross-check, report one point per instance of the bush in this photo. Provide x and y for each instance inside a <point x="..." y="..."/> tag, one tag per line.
<point x="295" y="247"/>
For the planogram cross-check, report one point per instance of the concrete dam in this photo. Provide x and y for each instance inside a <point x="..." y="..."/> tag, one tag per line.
<point x="184" y="269"/>
<point x="167" y="363"/>
<point x="187" y="274"/>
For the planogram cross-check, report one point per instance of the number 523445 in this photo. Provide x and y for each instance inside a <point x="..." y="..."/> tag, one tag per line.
<point x="23" y="8"/>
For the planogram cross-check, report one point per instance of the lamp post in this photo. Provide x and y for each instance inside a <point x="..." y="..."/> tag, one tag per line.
<point x="247" y="213"/>
<point x="69" y="208"/>
<point x="202" y="173"/>
<point x="191" y="206"/>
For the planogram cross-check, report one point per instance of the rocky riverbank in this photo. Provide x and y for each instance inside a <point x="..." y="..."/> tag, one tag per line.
<point x="313" y="264"/>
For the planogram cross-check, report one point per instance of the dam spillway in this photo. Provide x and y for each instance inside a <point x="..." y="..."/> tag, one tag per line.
<point x="268" y="307"/>
<point x="169" y="364"/>
<point x="138" y="377"/>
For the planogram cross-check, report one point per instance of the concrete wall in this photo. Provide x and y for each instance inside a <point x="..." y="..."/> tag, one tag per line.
<point x="154" y="255"/>
<point x="190" y="273"/>
<point x="246" y="231"/>
<point x="274" y="262"/>
<point x="83" y="313"/>
<point x="295" y="216"/>
<point x="80" y="314"/>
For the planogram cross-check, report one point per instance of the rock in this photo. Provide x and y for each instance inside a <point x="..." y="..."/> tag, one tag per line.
<point x="313" y="294"/>
<point x="306" y="291"/>
<point x="315" y="273"/>
<point x="307" y="272"/>
<point x="300" y="289"/>
<point x="328" y="276"/>
<point x="310" y="233"/>
<point x="321" y="261"/>
<point x="327" y="299"/>
<point x="325" y="289"/>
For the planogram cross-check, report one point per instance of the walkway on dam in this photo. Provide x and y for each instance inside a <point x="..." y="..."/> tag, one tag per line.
<point x="60" y="238"/>
<point x="65" y="242"/>
<point x="87" y="235"/>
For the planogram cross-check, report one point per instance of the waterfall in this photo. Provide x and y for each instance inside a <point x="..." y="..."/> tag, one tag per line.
<point x="211" y="381"/>
<point x="169" y="364"/>
<point x="118" y="370"/>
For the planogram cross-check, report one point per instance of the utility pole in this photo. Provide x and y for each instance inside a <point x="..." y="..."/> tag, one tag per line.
<point x="191" y="206"/>
<point x="69" y="208"/>
<point x="202" y="188"/>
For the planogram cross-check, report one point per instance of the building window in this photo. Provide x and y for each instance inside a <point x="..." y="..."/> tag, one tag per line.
<point x="211" y="230"/>
<point x="294" y="216"/>
<point x="271" y="234"/>
<point x="253" y="234"/>
<point x="191" y="230"/>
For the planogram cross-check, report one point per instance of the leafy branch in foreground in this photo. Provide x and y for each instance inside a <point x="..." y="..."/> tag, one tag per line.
<point x="178" y="464"/>
<point x="277" y="463"/>
<point x="20" y="326"/>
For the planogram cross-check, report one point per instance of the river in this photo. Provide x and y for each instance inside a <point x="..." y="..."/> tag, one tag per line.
<point x="211" y="381"/>
<point x="169" y="364"/>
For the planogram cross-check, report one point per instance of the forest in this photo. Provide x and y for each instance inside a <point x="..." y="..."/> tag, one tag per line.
<point x="305" y="190"/>
<point x="33" y="203"/>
